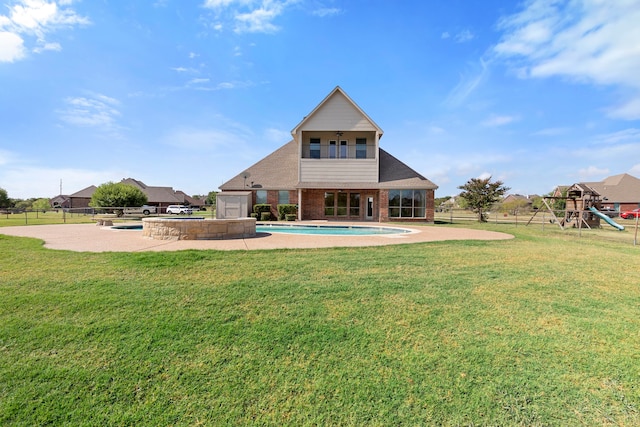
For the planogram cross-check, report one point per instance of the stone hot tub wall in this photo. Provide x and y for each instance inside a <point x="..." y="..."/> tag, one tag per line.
<point x="198" y="229"/>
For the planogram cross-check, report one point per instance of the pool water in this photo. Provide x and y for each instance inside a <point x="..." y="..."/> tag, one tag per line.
<point x="323" y="230"/>
<point x="330" y="230"/>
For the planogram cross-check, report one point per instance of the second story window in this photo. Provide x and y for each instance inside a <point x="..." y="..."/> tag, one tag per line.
<point x="343" y="150"/>
<point x="333" y="150"/>
<point x="314" y="148"/>
<point x="361" y="148"/>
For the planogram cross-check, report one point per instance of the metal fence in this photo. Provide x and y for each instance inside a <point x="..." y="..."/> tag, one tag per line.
<point x="9" y="217"/>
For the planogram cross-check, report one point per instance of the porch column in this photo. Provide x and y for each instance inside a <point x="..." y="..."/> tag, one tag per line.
<point x="299" y="204"/>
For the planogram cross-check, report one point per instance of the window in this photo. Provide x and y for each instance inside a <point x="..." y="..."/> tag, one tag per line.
<point x="342" y="204"/>
<point x="261" y="197"/>
<point x="361" y="148"/>
<point x="314" y="148"/>
<point x="333" y="149"/>
<point x="283" y="197"/>
<point x="354" y="204"/>
<point x="407" y="203"/>
<point x="329" y="201"/>
<point x="343" y="150"/>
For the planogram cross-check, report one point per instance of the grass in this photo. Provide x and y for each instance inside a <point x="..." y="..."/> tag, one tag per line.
<point x="543" y="329"/>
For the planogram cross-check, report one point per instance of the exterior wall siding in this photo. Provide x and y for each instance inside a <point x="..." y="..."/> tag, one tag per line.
<point x="338" y="114"/>
<point x="338" y="170"/>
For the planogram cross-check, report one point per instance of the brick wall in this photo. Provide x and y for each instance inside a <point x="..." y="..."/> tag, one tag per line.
<point x="272" y="199"/>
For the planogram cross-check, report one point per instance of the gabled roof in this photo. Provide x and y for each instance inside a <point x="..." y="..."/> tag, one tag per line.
<point x="395" y="174"/>
<point x="155" y="194"/>
<point x="85" y="192"/>
<point x="618" y="188"/>
<point x="279" y="171"/>
<point x="581" y="187"/>
<point x="336" y="92"/>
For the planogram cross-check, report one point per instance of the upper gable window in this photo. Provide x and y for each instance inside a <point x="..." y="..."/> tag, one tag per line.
<point x="314" y="148"/>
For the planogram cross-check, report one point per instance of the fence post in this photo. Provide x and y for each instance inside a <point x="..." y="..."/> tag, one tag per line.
<point x="26" y="221"/>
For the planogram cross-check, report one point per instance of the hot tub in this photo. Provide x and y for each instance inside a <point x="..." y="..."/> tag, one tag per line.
<point x="198" y="228"/>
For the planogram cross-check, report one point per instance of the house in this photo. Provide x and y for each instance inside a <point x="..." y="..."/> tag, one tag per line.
<point x="618" y="192"/>
<point x="156" y="196"/>
<point x="334" y="169"/>
<point x="82" y="198"/>
<point x="60" y="202"/>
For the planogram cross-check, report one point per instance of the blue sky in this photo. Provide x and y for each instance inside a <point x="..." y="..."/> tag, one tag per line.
<point x="188" y="94"/>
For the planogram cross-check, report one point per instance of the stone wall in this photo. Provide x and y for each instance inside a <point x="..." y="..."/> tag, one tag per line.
<point x="198" y="229"/>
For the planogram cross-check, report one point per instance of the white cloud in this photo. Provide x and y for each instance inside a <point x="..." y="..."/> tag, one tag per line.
<point x="467" y="84"/>
<point x="624" y="136"/>
<point x="249" y="16"/>
<point x="327" y="11"/>
<point x="551" y="132"/>
<point x="25" y="181"/>
<point x="277" y="136"/>
<point x="11" y="47"/>
<point x="629" y="110"/>
<point x="95" y="110"/>
<point x="494" y="121"/>
<point x="635" y="170"/>
<point x="464" y="36"/>
<point x="586" y="41"/>
<point x="445" y="35"/>
<point x="592" y="172"/>
<point x="34" y="19"/>
<point x="198" y="81"/>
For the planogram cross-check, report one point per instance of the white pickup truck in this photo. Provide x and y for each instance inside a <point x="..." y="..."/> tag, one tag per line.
<point x="144" y="209"/>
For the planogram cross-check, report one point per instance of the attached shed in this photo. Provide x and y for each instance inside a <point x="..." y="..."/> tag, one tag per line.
<point x="233" y="204"/>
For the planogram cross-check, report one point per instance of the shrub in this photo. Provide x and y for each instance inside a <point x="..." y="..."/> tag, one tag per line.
<point x="265" y="216"/>
<point x="261" y="207"/>
<point x="291" y="217"/>
<point x="286" y="209"/>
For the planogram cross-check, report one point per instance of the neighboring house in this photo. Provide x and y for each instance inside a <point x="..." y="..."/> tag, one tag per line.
<point x="60" y="202"/>
<point x="81" y="199"/>
<point x="334" y="169"/>
<point x="156" y="196"/>
<point x="512" y="198"/>
<point x="519" y="200"/>
<point x="619" y="192"/>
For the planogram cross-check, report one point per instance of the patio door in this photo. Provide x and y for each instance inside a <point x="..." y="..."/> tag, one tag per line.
<point x="369" y="208"/>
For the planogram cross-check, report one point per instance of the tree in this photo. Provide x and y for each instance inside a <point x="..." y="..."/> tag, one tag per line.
<point x="41" y="205"/>
<point x="211" y="198"/>
<point x="5" y="202"/>
<point x="480" y="194"/>
<point x="117" y="195"/>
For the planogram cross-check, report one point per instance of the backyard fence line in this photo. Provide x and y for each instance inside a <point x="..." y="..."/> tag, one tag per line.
<point x="12" y="216"/>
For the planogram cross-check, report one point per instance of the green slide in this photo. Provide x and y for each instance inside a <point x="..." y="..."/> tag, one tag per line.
<point x="606" y="218"/>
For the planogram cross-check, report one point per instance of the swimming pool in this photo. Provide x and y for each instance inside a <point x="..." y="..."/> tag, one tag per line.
<point x="330" y="230"/>
<point x="313" y="229"/>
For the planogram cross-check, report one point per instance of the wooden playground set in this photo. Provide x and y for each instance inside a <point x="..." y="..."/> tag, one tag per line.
<point x="582" y="209"/>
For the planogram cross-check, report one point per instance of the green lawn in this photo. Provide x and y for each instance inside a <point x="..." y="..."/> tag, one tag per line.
<point x="540" y="330"/>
